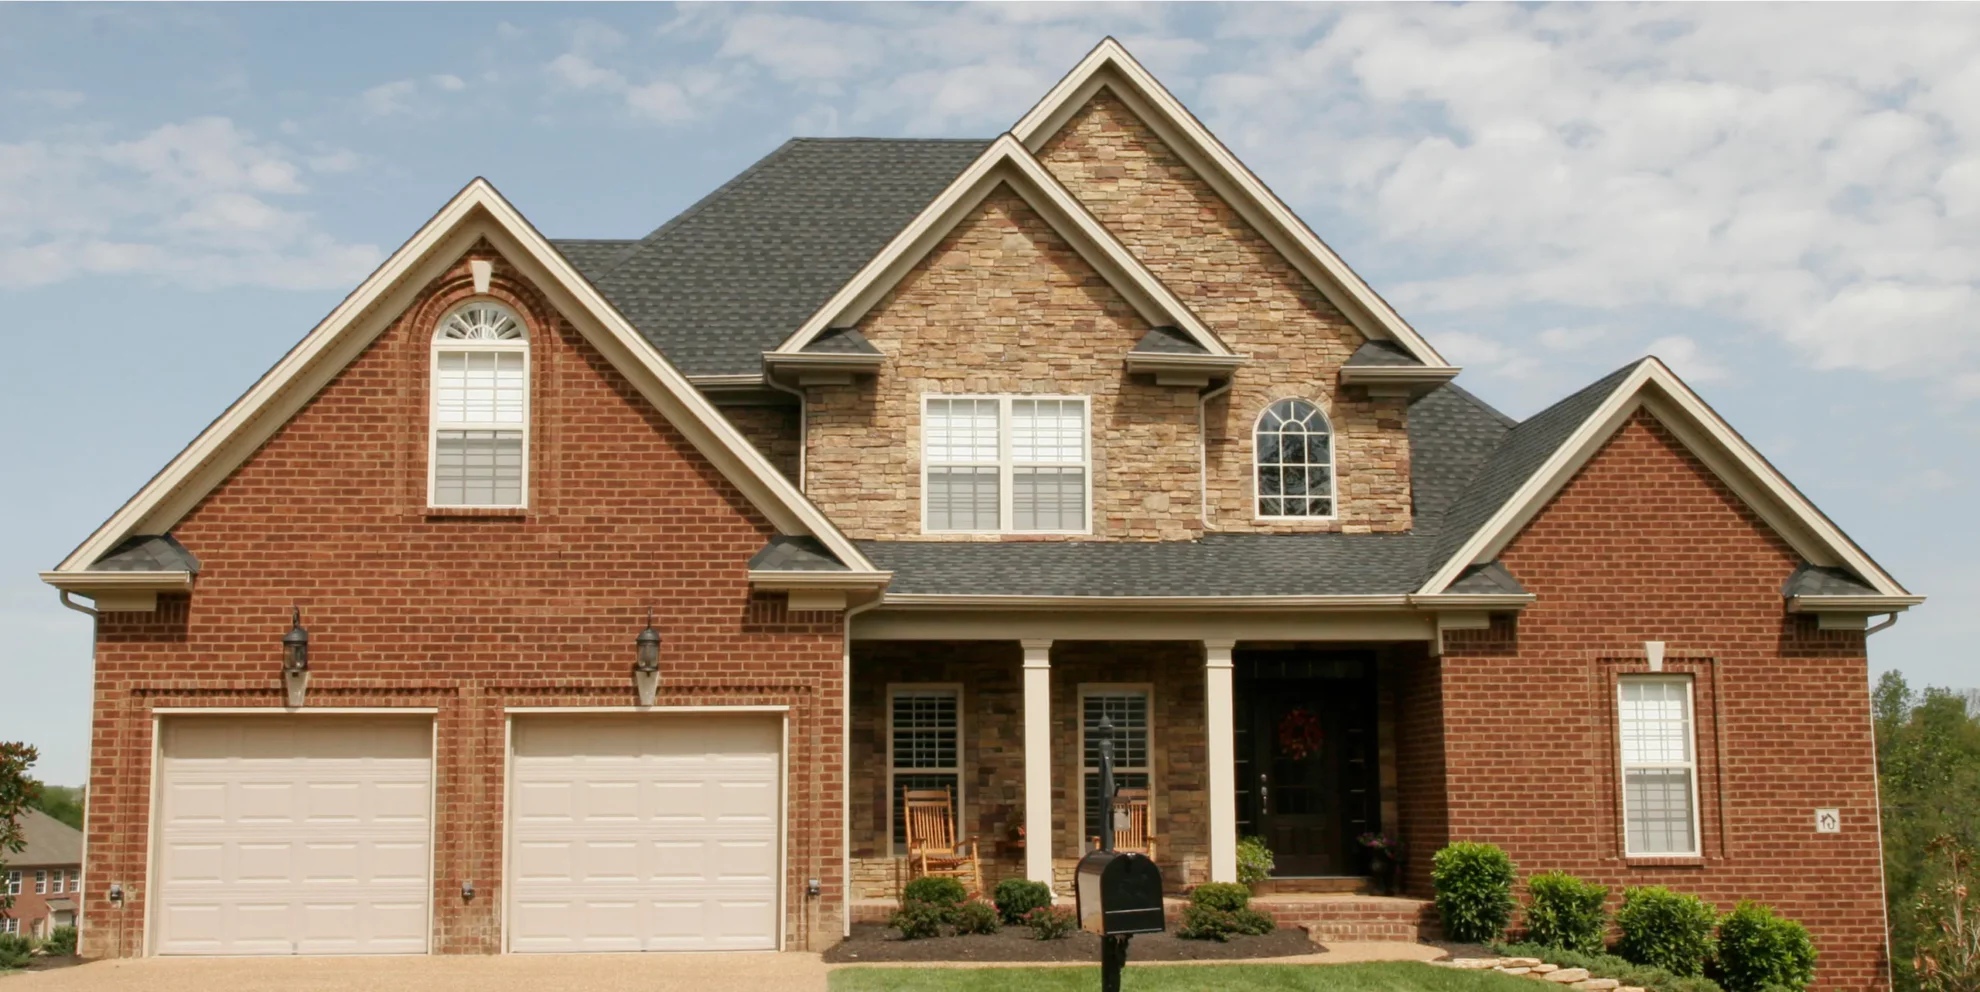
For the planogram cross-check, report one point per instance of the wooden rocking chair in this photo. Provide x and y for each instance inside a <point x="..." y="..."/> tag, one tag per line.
<point x="931" y="838"/>
<point x="1133" y="828"/>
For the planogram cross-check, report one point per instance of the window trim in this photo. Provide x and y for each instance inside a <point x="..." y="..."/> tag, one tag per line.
<point x="41" y="881"/>
<point x="14" y="883"/>
<point x="1006" y="466"/>
<point x="1333" y="467"/>
<point x="1623" y="765"/>
<point x="438" y="345"/>
<point x="1082" y="691"/>
<point x="887" y="714"/>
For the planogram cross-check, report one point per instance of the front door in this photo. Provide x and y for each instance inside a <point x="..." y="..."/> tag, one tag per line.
<point x="1311" y="771"/>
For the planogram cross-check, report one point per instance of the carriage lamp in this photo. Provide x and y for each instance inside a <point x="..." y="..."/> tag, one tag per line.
<point x="646" y="664"/>
<point x="295" y="658"/>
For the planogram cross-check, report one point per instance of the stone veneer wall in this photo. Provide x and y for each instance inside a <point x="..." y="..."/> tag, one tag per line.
<point x="992" y="761"/>
<point x="1004" y="305"/>
<point x="1255" y="301"/>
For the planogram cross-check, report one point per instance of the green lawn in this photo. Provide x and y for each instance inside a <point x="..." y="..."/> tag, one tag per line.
<point x="1393" y="976"/>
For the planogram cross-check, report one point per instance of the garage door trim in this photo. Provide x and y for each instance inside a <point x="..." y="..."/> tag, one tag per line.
<point x="155" y="831"/>
<point x="509" y="714"/>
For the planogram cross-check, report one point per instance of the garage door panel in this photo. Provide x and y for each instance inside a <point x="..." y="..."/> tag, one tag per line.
<point x="643" y="833"/>
<point x="294" y="835"/>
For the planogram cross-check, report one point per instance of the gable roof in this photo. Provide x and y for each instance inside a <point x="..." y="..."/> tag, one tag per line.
<point x="49" y="842"/>
<point x="1540" y="455"/>
<point x="730" y="277"/>
<point x="1005" y="164"/>
<point x="1110" y="66"/>
<point x="477" y="212"/>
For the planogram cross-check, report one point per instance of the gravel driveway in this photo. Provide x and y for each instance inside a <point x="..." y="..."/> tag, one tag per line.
<point x="764" y="971"/>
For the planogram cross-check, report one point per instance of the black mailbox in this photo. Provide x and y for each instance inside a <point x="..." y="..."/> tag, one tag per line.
<point x="1119" y="893"/>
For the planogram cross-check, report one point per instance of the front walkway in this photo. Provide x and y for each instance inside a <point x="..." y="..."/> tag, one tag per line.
<point x="738" y="972"/>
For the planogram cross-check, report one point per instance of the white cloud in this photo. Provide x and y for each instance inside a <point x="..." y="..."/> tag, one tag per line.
<point x="390" y="99"/>
<point x="1686" y="358"/>
<point x="196" y="203"/>
<point x="449" y="82"/>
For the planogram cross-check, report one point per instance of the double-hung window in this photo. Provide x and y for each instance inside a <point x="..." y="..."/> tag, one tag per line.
<point x="1005" y="463"/>
<point x="1126" y="707"/>
<point x="13" y="883"/>
<point x="480" y="426"/>
<point x="924" y="748"/>
<point x="41" y="881"/>
<point x="1659" y="765"/>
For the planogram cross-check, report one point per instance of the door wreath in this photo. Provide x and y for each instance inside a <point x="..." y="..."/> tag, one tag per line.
<point x="1300" y="734"/>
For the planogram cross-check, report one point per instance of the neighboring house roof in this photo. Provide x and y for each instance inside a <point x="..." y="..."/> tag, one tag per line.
<point x="49" y="842"/>
<point x="477" y="213"/>
<point x="731" y="277"/>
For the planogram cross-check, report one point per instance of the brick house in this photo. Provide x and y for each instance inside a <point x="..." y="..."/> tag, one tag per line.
<point x="918" y="458"/>
<point x="44" y="877"/>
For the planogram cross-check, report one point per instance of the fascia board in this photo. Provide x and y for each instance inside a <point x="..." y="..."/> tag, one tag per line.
<point x="773" y="579"/>
<point x="1474" y="601"/>
<point x="1406" y="602"/>
<point x="86" y="581"/>
<point x="834" y="360"/>
<point x="1384" y="375"/>
<point x="1852" y="604"/>
<point x="331" y="345"/>
<point x="1231" y="178"/>
<point x="1159" y="362"/>
<point x="1005" y="162"/>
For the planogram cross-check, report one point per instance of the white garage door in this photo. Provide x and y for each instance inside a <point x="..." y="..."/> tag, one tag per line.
<point x="644" y="832"/>
<point x="292" y="834"/>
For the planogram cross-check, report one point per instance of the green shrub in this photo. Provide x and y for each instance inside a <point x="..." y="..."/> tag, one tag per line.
<point x="1609" y="966"/>
<point x="1051" y="922"/>
<point x="14" y="950"/>
<point x="1474" y="884"/>
<point x="1254" y="860"/>
<point x="1758" y="949"/>
<point x="1667" y="929"/>
<point x="1226" y="896"/>
<point x="1018" y="896"/>
<point x="61" y="942"/>
<point x="935" y="889"/>
<point x="917" y="920"/>
<point x="1564" y="911"/>
<point x="975" y="916"/>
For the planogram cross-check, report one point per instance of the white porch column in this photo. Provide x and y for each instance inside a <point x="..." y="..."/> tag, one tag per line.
<point x="1038" y="761"/>
<point x="1220" y="725"/>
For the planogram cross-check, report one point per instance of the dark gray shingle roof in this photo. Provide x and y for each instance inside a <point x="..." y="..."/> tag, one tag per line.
<point x="1382" y="353"/>
<point x="1489" y="579"/>
<point x="1817" y="580"/>
<point x="148" y="553"/>
<point x="841" y="341"/>
<point x="732" y="276"/>
<point x="786" y="553"/>
<point x="594" y="256"/>
<point x="1166" y="340"/>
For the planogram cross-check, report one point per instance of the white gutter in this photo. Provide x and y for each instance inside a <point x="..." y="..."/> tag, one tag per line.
<point x="1410" y="601"/>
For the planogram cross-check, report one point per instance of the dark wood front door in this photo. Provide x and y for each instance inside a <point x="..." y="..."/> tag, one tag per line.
<point x="1312" y="770"/>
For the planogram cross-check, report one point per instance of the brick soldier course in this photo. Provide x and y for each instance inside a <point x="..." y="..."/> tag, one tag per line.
<point x="1438" y="659"/>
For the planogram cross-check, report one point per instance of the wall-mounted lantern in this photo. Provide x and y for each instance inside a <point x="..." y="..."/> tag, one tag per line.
<point x="646" y="663"/>
<point x="295" y="658"/>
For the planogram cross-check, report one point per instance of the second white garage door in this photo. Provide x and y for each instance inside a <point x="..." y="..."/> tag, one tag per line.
<point x="645" y="832"/>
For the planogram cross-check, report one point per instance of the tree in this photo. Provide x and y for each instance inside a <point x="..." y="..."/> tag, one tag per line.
<point x="64" y="803"/>
<point x="18" y="791"/>
<point x="1928" y="768"/>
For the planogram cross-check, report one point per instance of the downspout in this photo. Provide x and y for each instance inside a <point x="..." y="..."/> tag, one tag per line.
<point x="1889" y="620"/>
<point x="1203" y="442"/>
<point x="79" y="608"/>
<point x="96" y="620"/>
<point x="1877" y="790"/>
<point x="845" y="786"/>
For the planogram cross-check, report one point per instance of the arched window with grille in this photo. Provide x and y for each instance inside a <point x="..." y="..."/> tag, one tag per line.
<point x="1294" y="459"/>
<point x="479" y="445"/>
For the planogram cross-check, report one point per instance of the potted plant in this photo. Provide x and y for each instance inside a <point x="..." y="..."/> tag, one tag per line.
<point x="1385" y="855"/>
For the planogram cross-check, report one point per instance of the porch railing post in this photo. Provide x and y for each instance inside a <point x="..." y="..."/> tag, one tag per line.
<point x="1220" y="725"/>
<point x="1038" y="761"/>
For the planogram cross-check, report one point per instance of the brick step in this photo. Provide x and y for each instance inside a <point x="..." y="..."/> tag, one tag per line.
<point x="1353" y="884"/>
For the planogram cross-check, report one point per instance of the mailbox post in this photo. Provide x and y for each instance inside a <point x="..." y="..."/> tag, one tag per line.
<point x="1119" y="894"/>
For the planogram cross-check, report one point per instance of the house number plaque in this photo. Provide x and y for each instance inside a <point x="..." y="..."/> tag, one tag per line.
<point x="1828" y="821"/>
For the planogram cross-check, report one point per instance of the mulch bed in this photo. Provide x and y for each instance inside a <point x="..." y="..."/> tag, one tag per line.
<point x="43" y="962"/>
<point x="873" y="943"/>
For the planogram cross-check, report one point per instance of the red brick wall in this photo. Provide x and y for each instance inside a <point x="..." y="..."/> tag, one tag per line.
<point x="31" y="907"/>
<point x="1643" y="544"/>
<point x="467" y="612"/>
<point x="1422" y="813"/>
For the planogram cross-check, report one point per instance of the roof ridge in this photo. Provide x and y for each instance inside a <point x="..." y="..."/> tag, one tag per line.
<point x="900" y="141"/>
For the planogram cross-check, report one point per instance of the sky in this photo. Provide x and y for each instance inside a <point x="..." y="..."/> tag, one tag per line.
<point x="1780" y="202"/>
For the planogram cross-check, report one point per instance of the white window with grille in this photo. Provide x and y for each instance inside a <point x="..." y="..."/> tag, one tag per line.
<point x="1659" y="766"/>
<point x="13" y="883"/>
<point x="480" y="426"/>
<point x="924" y="749"/>
<point x="9" y="925"/>
<point x="1127" y="708"/>
<point x="41" y="881"/>
<point x="1006" y="464"/>
<point x="1293" y="455"/>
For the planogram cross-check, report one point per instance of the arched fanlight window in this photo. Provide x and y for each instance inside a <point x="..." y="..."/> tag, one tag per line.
<point x="479" y="454"/>
<point x="1294" y="455"/>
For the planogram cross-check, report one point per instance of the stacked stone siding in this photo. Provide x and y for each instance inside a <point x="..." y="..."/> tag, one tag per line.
<point x="992" y="760"/>
<point x="1004" y="305"/>
<point x="1255" y="300"/>
<point x="1645" y="544"/>
<point x="468" y="612"/>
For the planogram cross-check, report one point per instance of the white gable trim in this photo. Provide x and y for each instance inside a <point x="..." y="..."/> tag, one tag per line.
<point x="1109" y="65"/>
<point x="1005" y="163"/>
<point x="1653" y="387"/>
<point x="478" y="211"/>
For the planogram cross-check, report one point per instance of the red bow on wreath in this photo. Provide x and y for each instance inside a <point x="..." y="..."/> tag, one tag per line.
<point x="1300" y="734"/>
